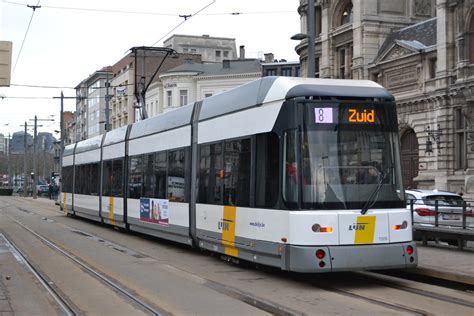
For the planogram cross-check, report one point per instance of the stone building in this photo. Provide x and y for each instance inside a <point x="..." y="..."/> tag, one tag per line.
<point x="211" y="49"/>
<point x="191" y="82"/>
<point x="423" y="52"/>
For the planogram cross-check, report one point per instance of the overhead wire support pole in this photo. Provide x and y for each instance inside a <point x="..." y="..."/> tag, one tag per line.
<point x="25" y="144"/>
<point x="61" y="150"/>
<point x="141" y="86"/>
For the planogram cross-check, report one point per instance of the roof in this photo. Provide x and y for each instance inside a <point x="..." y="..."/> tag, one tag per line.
<point x="416" y="37"/>
<point x="239" y="66"/>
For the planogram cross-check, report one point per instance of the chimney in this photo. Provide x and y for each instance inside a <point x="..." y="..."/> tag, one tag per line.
<point x="268" y="57"/>
<point x="226" y="64"/>
<point x="242" y="52"/>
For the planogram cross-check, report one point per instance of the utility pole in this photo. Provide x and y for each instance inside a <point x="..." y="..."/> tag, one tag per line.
<point x="35" y="172"/>
<point x="9" y="163"/>
<point x="311" y="36"/>
<point x="107" y="106"/>
<point x="35" y="154"/>
<point x="25" y="189"/>
<point x="62" y="97"/>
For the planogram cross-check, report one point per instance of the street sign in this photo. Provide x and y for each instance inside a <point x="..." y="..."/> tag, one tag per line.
<point x="5" y="63"/>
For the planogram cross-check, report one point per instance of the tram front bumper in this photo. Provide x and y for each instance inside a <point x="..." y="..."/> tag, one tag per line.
<point x="352" y="257"/>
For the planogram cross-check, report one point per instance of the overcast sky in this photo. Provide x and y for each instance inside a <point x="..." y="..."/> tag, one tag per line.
<point x="70" y="39"/>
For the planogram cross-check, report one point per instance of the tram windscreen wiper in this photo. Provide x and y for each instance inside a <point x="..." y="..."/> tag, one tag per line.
<point x="375" y="195"/>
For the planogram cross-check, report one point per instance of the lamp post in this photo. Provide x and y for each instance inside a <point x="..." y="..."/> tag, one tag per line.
<point x="310" y="35"/>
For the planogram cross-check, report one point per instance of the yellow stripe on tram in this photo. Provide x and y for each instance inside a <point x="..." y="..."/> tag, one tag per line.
<point x="64" y="202"/>
<point x="365" y="229"/>
<point x="111" y="210"/>
<point x="228" y="231"/>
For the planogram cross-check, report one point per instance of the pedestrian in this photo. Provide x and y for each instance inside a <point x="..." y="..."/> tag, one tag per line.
<point x="50" y="190"/>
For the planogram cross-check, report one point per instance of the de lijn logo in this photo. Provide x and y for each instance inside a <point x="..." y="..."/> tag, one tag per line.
<point x="224" y="224"/>
<point x="358" y="226"/>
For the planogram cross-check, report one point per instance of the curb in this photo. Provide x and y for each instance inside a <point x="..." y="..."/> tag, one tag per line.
<point x="454" y="277"/>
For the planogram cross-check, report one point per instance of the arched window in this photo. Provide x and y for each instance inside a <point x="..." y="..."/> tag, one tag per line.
<point x="471" y="40"/>
<point x="347" y="14"/>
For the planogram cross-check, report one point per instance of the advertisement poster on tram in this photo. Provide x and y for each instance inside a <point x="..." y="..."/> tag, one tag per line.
<point x="154" y="211"/>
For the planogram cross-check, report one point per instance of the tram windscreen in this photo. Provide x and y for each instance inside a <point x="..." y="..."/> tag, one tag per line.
<point x="349" y="151"/>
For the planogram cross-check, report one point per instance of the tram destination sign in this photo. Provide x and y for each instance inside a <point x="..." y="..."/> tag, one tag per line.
<point x="327" y="115"/>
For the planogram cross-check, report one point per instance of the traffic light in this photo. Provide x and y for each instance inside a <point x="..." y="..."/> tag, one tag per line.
<point x="53" y="176"/>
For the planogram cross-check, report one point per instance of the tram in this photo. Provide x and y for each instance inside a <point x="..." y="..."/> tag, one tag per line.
<point x="296" y="173"/>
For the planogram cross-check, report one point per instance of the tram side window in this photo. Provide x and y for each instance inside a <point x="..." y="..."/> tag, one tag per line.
<point x="148" y="178"/>
<point x="66" y="180"/>
<point x="176" y="177"/>
<point x="112" y="178"/>
<point x="159" y="171"/>
<point x="87" y="179"/>
<point x="135" y="177"/>
<point x="210" y="181"/>
<point x="93" y="179"/>
<point x="107" y="178"/>
<point x="237" y="172"/>
<point x="79" y="185"/>
<point x="267" y="170"/>
<point x="117" y="175"/>
<point x="290" y="164"/>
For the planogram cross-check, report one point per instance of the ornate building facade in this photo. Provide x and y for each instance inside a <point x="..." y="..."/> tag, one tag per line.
<point x="422" y="51"/>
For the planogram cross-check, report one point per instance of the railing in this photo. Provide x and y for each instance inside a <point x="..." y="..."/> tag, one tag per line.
<point x="453" y="223"/>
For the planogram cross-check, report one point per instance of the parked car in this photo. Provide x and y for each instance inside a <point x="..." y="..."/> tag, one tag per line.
<point x="450" y="209"/>
<point x="42" y="189"/>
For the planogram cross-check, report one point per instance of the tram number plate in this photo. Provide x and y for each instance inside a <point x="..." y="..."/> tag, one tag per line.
<point x="451" y="216"/>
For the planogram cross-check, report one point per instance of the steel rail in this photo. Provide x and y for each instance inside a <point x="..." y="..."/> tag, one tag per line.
<point x="92" y="271"/>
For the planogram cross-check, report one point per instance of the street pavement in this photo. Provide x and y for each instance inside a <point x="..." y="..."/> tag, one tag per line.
<point x="435" y="260"/>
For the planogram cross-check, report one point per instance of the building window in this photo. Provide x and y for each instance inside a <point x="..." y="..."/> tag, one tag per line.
<point x="218" y="54"/>
<point x="271" y="72"/>
<point x="342" y="63"/>
<point x="226" y="54"/>
<point x="183" y="97"/>
<point x="318" y="21"/>
<point x="169" y="98"/>
<point x="286" y="72"/>
<point x="460" y="139"/>
<point x="432" y="67"/>
<point x="297" y="71"/>
<point x="471" y="41"/>
<point x="345" y="62"/>
<point x="316" y="68"/>
<point x="207" y="95"/>
<point x="347" y="14"/>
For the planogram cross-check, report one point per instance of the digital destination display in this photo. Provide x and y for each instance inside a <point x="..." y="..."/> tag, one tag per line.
<point x="351" y="115"/>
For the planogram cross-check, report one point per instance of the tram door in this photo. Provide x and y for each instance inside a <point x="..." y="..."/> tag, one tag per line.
<point x="409" y="152"/>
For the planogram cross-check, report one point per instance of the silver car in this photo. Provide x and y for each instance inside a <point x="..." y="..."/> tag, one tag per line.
<point x="450" y="208"/>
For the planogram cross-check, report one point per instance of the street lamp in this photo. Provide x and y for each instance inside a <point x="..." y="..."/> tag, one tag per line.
<point x="310" y="36"/>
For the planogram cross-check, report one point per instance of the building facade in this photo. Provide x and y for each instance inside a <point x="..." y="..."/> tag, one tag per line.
<point x="91" y="104"/>
<point x="4" y="144"/>
<point x="191" y="82"/>
<point x="211" y="49"/>
<point x="422" y="52"/>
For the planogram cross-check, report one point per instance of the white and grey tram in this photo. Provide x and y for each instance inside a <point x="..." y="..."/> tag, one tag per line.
<point x="300" y="174"/>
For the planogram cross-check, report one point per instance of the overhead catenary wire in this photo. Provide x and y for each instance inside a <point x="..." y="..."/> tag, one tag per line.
<point x="186" y="18"/>
<point x="145" y="12"/>
<point x="34" y="7"/>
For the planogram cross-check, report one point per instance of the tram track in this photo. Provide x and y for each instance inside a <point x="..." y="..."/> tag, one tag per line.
<point x="392" y="283"/>
<point x="340" y="289"/>
<point x="234" y="293"/>
<point x="110" y="282"/>
<point x="61" y="301"/>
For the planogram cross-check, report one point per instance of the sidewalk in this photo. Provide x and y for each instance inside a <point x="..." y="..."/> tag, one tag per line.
<point x="445" y="262"/>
